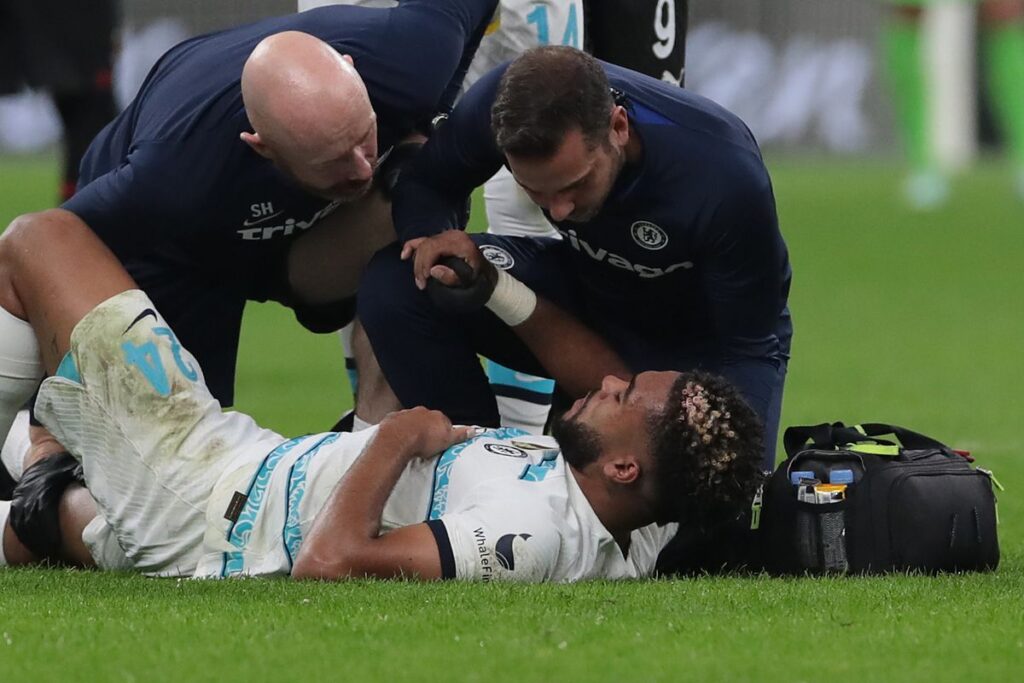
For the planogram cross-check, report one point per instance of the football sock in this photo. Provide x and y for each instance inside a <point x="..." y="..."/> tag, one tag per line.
<point x="349" y="421"/>
<point x="16" y="446"/>
<point x="524" y="401"/>
<point x="902" y="45"/>
<point x="20" y="367"/>
<point x="1004" y="65"/>
<point x="350" y="362"/>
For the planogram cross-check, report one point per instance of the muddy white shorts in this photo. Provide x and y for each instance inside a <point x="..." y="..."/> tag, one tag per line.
<point x="131" y="404"/>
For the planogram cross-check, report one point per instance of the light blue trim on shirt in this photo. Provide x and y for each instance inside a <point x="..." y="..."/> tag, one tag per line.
<point x="540" y="470"/>
<point x="499" y="374"/>
<point x="241" y="528"/>
<point x="443" y="468"/>
<point x="292" y="533"/>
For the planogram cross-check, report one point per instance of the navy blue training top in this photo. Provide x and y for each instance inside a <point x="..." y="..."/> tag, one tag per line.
<point x="170" y="173"/>
<point x="687" y="245"/>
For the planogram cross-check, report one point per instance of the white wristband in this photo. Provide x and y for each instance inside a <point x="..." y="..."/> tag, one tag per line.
<point x="512" y="301"/>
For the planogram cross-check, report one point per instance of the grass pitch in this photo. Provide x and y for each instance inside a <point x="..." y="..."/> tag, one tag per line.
<point x="907" y="318"/>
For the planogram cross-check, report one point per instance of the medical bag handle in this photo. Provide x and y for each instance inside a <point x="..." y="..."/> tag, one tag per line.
<point x="829" y="436"/>
<point x="909" y="439"/>
<point x="826" y="436"/>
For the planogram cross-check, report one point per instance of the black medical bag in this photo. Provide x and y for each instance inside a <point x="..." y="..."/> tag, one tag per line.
<point x="846" y="500"/>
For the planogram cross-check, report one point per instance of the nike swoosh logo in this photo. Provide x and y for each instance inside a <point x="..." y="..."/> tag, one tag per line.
<point x="140" y="316"/>
<point x="247" y="223"/>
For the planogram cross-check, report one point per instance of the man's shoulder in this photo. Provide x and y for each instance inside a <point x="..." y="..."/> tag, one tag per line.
<point x="671" y="112"/>
<point x="691" y="141"/>
<point x="183" y="172"/>
<point x="481" y="95"/>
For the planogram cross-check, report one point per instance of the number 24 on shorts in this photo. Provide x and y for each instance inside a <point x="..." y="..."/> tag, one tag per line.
<point x="146" y="357"/>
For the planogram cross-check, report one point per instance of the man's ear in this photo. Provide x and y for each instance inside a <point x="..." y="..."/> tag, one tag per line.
<point x="619" y="126"/>
<point x="256" y="143"/>
<point x="623" y="469"/>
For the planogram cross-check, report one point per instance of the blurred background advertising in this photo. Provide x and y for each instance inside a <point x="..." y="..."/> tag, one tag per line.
<point x="928" y="85"/>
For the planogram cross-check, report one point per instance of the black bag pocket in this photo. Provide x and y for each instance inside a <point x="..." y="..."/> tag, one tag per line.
<point x="928" y="518"/>
<point x="943" y="519"/>
<point x="819" y="538"/>
<point x="805" y="538"/>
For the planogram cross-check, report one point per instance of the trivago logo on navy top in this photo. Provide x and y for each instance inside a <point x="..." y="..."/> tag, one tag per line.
<point x="645" y="234"/>
<point x="265" y="223"/>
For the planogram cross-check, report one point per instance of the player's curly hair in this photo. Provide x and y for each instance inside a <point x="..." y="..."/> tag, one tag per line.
<point x="707" y="446"/>
<point x="545" y="93"/>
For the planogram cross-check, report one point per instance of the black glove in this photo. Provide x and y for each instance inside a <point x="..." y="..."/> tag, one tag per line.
<point x="35" y="508"/>
<point x="470" y="296"/>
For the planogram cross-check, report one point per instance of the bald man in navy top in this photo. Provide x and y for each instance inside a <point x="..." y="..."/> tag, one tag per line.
<point x="244" y="168"/>
<point x="670" y="245"/>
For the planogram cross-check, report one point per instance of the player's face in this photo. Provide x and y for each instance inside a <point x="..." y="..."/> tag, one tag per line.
<point x="342" y="170"/>
<point x="573" y="184"/>
<point x="618" y="413"/>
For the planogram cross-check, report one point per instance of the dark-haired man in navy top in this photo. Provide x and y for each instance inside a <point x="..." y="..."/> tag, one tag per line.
<point x="670" y="246"/>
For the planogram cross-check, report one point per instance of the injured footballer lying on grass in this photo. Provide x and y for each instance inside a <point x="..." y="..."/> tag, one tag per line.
<point x="174" y="486"/>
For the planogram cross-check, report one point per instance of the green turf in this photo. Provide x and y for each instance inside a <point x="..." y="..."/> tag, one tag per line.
<point x="27" y="183"/>
<point x="901" y="317"/>
<point x="79" y="627"/>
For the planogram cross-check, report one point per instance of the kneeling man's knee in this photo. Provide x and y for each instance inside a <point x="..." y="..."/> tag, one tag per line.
<point x="387" y="286"/>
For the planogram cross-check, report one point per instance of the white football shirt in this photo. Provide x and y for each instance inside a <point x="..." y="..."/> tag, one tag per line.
<point x="502" y="506"/>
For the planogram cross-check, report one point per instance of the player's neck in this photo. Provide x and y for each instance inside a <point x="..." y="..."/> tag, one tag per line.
<point x="619" y="514"/>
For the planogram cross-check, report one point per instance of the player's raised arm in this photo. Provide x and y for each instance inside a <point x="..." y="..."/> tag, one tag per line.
<point x="574" y="355"/>
<point x="345" y="540"/>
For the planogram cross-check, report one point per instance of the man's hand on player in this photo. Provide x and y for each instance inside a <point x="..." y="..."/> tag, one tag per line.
<point x="427" y="252"/>
<point x="423" y="432"/>
<point x="346" y="539"/>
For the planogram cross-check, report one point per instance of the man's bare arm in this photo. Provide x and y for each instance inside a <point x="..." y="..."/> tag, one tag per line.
<point x="577" y="358"/>
<point x="574" y="355"/>
<point x="345" y="540"/>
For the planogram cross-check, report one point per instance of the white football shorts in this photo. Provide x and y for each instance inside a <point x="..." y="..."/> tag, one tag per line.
<point x="131" y="404"/>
